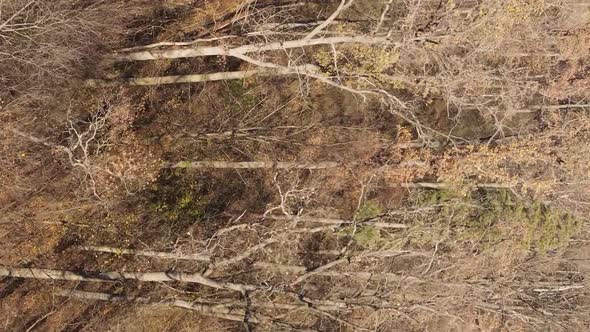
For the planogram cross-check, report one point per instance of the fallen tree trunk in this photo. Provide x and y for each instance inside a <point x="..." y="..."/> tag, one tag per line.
<point x="222" y="76"/>
<point x="231" y="310"/>
<point x="147" y="253"/>
<point x="191" y="52"/>
<point x="331" y="221"/>
<point x="234" y="311"/>
<point x="254" y="165"/>
<point x="274" y="164"/>
<point x="173" y="276"/>
<point x="323" y="271"/>
<point x="219" y="311"/>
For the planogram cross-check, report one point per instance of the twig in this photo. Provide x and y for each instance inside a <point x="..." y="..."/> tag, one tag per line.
<point x="382" y="18"/>
<point x="54" y="310"/>
<point x="247" y="253"/>
<point x="340" y="320"/>
<point x="557" y="289"/>
<point x="433" y="257"/>
<point x="319" y="270"/>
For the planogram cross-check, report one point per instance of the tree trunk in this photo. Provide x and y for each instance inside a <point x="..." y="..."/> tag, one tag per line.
<point x="223" y="76"/>
<point x="199" y="51"/>
<point x="227" y="308"/>
<point x="34" y="273"/>
<point x="331" y="221"/>
<point x="147" y="253"/>
<point x="220" y="311"/>
<point x="254" y="165"/>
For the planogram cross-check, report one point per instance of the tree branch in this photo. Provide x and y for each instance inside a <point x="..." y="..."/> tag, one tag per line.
<point x="344" y="4"/>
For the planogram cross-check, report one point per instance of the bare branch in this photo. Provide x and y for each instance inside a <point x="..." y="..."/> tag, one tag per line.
<point x="247" y="253"/>
<point x="319" y="270"/>
<point x="344" y="4"/>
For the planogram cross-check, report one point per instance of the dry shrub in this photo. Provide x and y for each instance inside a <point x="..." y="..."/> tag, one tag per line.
<point x="358" y="60"/>
<point x="129" y="168"/>
<point x="511" y="23"/>
<point x="46" y="43"/>
<point x="210" y="15"/>
<point x="572" y="81"/>
<point x="496" y="61"/>
<point x="406" y="165"/>
<point x="551" y="166"/>
<point x="106" y="151"/>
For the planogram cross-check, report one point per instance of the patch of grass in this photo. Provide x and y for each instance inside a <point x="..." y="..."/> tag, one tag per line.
<point x="544" y="227"/>
<point x="490" y="217"/>
<point x="369" y="210"/>
<point x="178" y="200"/>
<point x="548" y="228"/>
<point x="184" y="164"/>
<point x="367" y="236"/>
<point x="238" y="99"/>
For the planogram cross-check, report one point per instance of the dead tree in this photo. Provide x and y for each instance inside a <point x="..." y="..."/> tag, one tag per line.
<point x="46" y="42"/>
<point x="241" y="52"/>
<point x="87" y="140"/>
<point x="36" y="273"/>
<point x="223" y="311"/>
<point x="254" y="165"/>
<point x="357" y="83"/>
<point x="147" y="253"/>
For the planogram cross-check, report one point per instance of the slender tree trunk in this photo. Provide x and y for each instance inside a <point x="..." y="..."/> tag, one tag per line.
<point x="220" y="311"/>
<point x="295" y="269"/>
<point x="199" y="51"/>
<point x="331" y="221"/>
<point x="147" y="253"/>
<point x="227" y="308"/>
<point x="223" y="76"/>
<point x="254" y="165"/>
<point x="35" y="273"/>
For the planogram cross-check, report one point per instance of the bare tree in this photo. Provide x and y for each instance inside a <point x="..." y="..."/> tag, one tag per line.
<point x="43" y="43"/>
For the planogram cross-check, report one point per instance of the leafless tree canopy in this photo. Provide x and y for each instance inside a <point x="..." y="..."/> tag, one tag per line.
<point x="48" y="42"/>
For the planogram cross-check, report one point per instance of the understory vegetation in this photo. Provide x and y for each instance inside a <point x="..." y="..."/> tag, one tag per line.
<point x="257" y="165"/>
